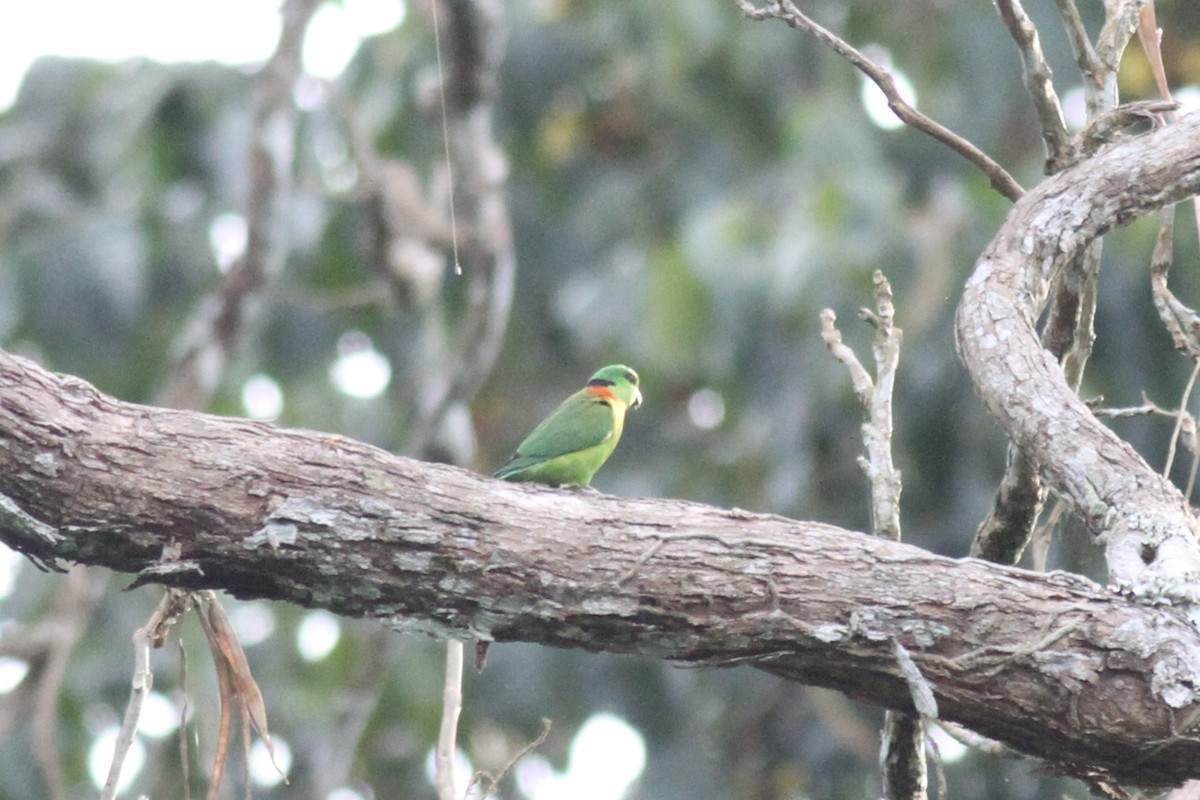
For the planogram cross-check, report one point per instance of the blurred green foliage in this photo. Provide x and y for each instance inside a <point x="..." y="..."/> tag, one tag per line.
<point x="688" y="190"/>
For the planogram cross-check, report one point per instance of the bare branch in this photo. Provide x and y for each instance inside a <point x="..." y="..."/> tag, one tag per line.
<point x="876" y="398"/>
<point x="1069" y="333"/>
<point x="974" y="740"/>
<point x="1121" y="19"/>
<point x="173" y="603"/>
<point x="1068" y="336"/>
<point x="860" y="379"/>
<point x="1039" y="82"/>
<point x="1150" y="36"/>
<point x="902" y="750"/>
<point x="902" y="756"/>
<point x="1181" y="418"/>
<point x="1149" y="531"/>
<point x="490" y="783"/>
<point x="1183" y="323"/>
<point x="1085" y="55"/>
<point x="444" y="757"/>
<point x="1005" y="532"/>
<point x="787" y="12"/>
<point x="1090" y="679"/>
<point x="877" y="435"/>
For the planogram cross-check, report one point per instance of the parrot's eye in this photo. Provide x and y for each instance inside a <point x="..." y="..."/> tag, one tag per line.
<point x="632" y="377"/>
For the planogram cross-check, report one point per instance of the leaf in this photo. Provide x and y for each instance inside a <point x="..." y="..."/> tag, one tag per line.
<point x="237" y="686"/>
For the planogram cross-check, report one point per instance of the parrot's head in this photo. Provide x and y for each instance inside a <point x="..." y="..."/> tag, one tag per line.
<point x="621" y="381"/>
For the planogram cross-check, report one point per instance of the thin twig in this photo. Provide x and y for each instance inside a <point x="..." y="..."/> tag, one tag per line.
<point x="1191" y="483"/>
<point x="919" y="688"/>
<point x="1150" y="36"/>
<point x="437" y="47"/>
<point x="143" y="680"/>
<point x="971" y="739"/>
<point x="493" y="781"/>
<point x="1179" y="417"/>
<point x="448" y="733"/>
<point x="149" y="635"/>
<point x="786" y="11"/>
<point x="860" y="379"/>
<point x="1039" y="82"/>
<point x="1105" y="127"/>
<point x="1148" y="408"/>
<point x="939" y="766"/>
<point x="1081" y="45"/>
<point x="185" y="768"/>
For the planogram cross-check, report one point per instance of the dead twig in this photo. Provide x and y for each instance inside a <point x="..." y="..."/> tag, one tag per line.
<point x="1039" y="82"/>
<point x="1085" y="55"/>
<point x="902" y="751"/>
<point x="493" y="782"/>
<point x="174" y="603"/>
<point x="448" y="732"/>
<point x="876" y="398"/>
<point x="788" y="13"/>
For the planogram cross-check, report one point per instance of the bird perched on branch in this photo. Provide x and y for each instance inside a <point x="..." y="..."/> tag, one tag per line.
<point x="572" y="443"/>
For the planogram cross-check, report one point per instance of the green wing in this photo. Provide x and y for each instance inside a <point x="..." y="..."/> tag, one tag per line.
<point x="583" y="421"/>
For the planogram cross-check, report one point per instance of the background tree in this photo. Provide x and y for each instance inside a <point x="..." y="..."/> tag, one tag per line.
<point x="686" y="189"/>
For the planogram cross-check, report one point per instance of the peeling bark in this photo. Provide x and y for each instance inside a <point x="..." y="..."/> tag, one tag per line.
<point x="1053" y="665"/>
<point x="1142" y="519"/>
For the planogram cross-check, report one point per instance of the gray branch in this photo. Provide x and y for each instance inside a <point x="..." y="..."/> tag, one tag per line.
<point x="1090" y="681"/>
<point x="902" y="756"/>
<point x="1146" y="525"/>
<point x="1039" y="81"/>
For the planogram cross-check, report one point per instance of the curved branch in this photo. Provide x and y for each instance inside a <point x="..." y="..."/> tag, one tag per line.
<point x="1143" y="520"/>
<point x="1092" y="682"/>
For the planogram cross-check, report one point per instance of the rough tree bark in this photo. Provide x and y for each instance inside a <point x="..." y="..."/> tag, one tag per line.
<point x="1091" y="681"/>
<point x="1149" y="532"/>
<point x="1051" y="664"/>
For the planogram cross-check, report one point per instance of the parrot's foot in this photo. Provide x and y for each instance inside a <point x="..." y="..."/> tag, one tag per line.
<point x="575" y="487"/>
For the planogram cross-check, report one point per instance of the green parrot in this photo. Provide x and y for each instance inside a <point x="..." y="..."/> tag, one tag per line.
<point x="569" y="446"/>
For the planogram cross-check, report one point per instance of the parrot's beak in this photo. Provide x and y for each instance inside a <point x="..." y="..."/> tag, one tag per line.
<point x="637" y="398"/>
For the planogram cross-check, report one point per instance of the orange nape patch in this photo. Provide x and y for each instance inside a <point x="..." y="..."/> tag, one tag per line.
<point x="602" y="391"/>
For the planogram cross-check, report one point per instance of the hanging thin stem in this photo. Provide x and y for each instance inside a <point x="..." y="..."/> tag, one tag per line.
<point x="1183" y="402"/>
<point x="451" y="707"/>
<point x="437" y="46"/>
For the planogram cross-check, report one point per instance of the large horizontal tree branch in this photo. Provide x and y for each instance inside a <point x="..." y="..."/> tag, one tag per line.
<point x="1051" y="664"/>
<point x="1144" y="521"/>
